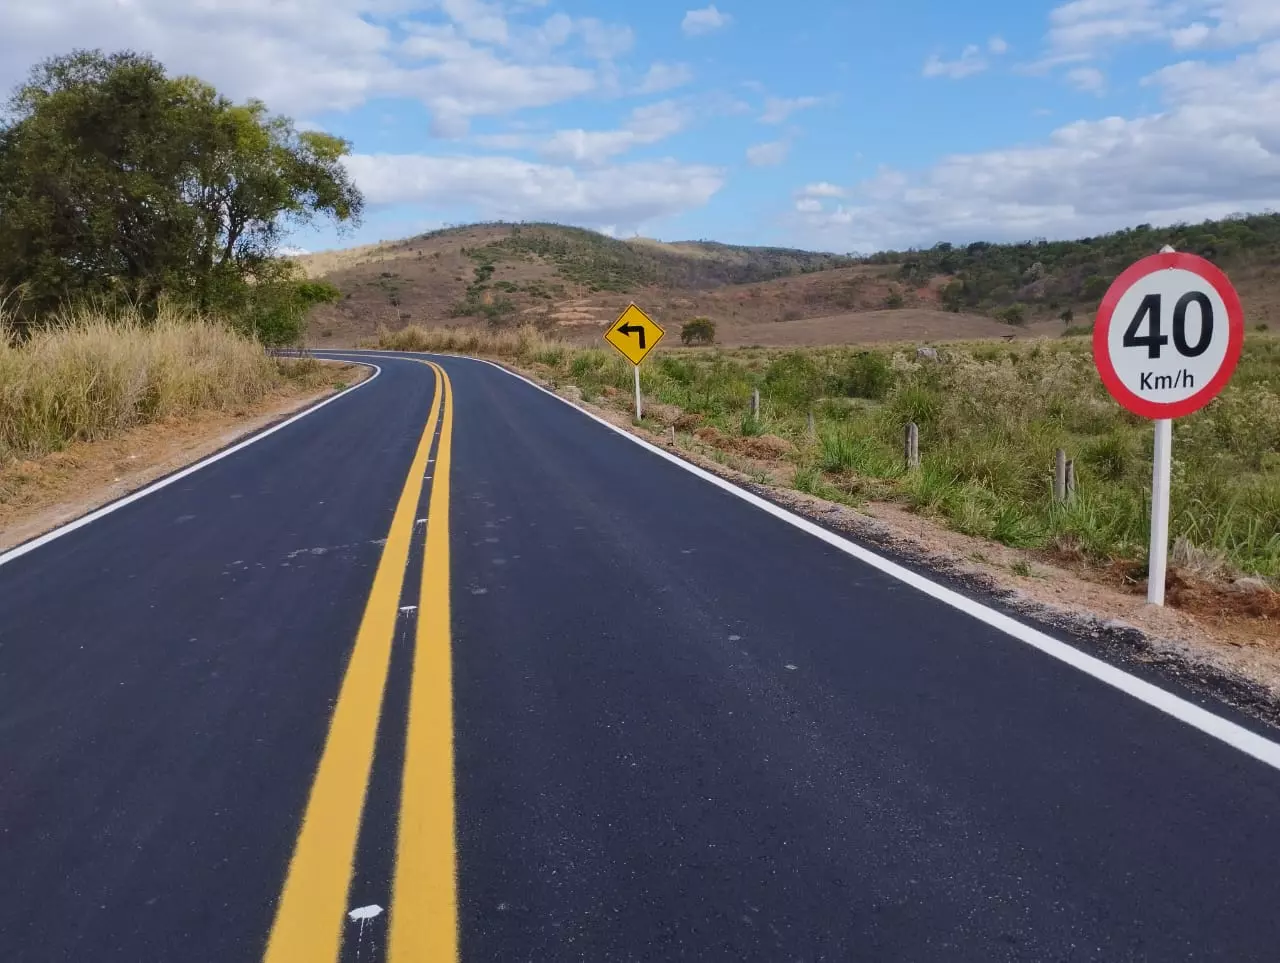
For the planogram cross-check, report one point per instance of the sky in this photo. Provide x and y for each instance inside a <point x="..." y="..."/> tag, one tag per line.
<point x="840" y="125"/>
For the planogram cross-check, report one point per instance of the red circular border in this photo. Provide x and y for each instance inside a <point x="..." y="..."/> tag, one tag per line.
<point x="1102" y="328"/>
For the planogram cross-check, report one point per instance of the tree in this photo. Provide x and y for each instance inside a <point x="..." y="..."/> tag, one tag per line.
<point x="122" y="184"/>
<point x="1067" y="316"/>
<point x="698" y="331"/>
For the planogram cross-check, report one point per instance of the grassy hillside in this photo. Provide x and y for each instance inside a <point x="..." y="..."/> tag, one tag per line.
<point x="574" y="282"/>
<point x="1048" y="278"/>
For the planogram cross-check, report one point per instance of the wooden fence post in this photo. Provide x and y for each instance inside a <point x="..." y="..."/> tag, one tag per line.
<point x="811" y="427"/>
<point x="913" y="445"/>
<point x="755" y="404"/>
<point x="1060" y="476"/>
<point x="1071" y="479"/>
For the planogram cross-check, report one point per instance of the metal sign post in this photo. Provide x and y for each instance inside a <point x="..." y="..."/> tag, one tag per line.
<point x="1166" y="341"/>
<point x="634" y="335"/>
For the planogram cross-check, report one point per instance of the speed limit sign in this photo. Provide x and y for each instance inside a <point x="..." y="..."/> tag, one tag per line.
<point x="1168" y="335"/>
<point x="1166" y="340"/>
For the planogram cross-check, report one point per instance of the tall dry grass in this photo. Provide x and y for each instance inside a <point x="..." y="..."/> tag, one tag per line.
<point x="87" y="376"/>
<point x="522" y="343"/>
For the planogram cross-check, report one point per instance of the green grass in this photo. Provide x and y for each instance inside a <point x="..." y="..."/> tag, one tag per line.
<point x="991" y="417"/>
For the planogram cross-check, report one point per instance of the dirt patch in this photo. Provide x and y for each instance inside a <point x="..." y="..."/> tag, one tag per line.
<point x="43" y="493"/>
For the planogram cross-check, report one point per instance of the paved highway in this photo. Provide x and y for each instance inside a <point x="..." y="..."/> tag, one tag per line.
<point x="448" y="670"/>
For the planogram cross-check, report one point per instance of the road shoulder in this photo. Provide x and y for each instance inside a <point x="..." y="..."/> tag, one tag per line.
<point x="40" y="494"/>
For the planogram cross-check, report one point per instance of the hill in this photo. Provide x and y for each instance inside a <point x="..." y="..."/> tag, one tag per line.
<point x="574" y="281"/>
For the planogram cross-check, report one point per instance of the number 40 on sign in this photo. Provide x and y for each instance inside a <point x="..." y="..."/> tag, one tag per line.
<point x="1167" y="339"/>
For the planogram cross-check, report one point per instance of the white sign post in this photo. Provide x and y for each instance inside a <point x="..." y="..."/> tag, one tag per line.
<point x="1166" y="340"/>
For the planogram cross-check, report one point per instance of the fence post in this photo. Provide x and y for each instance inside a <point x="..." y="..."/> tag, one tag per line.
<point x="1071" y="479"/>
<point x="913" y="445"/>
<point x="811" y="427"/>
<point x="672" y="441"/>
<point x="755" y="404"/>
<point x="1060" y="476"/>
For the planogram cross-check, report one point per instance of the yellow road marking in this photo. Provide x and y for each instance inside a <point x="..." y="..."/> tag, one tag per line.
<point x="310" y="916"/>
<point x="424" y="904"/>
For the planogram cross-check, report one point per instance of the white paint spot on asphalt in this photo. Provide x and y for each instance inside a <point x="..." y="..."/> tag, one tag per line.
<point x="477" y="590"/>
<point x="408" y="608"/>
<point x="362" y="915"/>
<point x="491" y="540"/>
<point x="789" y="667"/>
<point x="181" y="519"/>
<point x="420" y="523"/>
<point x="735" y="638"/>
<point x="499" y="561"/>
<point x="686" y="551"/>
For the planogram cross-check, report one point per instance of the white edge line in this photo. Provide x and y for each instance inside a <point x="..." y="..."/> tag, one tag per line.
<point x="1237" y="736"/>
<point x="93" y="516"/>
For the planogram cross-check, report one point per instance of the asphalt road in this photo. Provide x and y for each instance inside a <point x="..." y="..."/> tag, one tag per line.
<point x="454" y="656"/>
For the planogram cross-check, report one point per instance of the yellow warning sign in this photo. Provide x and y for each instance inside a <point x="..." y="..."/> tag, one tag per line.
<point x="634" y="334"/>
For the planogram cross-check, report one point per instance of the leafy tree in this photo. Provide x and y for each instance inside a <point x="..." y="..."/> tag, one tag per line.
<point x="1067" y="316"/>
<point x="1014" y="314"/>
<point x="698" y="331"/>
<point x="123" y="184"/>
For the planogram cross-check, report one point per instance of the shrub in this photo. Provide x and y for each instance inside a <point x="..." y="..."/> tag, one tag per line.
<point x="698" y="331"/>
<point x="895" y="300"/>
<point x="869" y="375"/>
<point x="1014" y="314"/>
<point x="794" y="380"/>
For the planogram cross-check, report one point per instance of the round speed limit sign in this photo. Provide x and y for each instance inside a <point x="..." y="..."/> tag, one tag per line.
<point x="1168" y="335"/>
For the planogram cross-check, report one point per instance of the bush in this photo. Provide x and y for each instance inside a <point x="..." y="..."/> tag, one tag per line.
<point x="1014" y="314"/>
<point x="698" y="331"/>
<point x="895" y="300"/>
<point x="794" y="380"/>
<point x="870" y="376"/>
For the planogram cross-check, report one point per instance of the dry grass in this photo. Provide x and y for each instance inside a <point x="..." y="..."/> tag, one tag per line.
<point x="518" y="344"/>
<point x="88" y="376"/>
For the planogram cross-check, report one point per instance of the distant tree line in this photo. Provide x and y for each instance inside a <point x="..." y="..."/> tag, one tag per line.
<point x="1053" y="277"/>
<point x="120" y="184"/>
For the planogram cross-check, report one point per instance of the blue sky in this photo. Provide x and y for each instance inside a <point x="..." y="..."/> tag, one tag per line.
<point x="846" y="126"/>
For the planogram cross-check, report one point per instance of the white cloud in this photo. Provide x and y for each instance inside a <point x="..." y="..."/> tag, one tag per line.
<point x="663" y="76"/>
<point x="998" y="46"/>
<point x="822" y="189"/>
<point x="971" y="62"/>
<point x="623" y="196"/>
<point x="1090" y="28"/>
<point x="770" y="154"/>
<point x="1090" y="80"/>
<point x="646" y="125"/>
<point x="704" y="21"/>
<point x="1212" y="151"/>
<point x="604" y="41"/>
<point x="808" y="205"/>
<point x="778" y="109"/>
<point x="310" y="55"/>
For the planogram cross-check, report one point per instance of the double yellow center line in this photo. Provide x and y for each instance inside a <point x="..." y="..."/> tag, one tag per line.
<point x="312" y="910"/>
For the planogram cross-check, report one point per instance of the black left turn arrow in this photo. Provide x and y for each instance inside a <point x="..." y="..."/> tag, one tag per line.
<point x="633" y="329"/>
